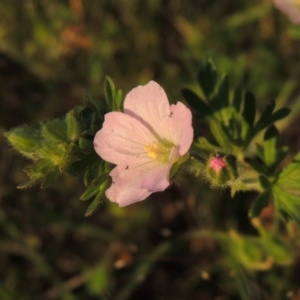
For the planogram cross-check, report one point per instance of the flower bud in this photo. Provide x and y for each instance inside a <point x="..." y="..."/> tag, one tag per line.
<point x="222" y="169"/>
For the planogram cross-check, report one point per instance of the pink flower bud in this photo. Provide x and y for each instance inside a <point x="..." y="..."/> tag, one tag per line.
<point x="217" y="163"/>
<point x="222" y="169"/>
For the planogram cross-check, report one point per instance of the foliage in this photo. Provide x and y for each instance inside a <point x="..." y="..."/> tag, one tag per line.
<point x="191" y="241"/>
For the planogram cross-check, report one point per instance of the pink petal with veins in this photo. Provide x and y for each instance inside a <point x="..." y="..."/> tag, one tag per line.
<point x="131" y="184"/>
<point x="122" y="139"/>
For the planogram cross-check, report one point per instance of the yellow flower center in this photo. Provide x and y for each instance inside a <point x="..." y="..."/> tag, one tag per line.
<point x="159" y="151"/>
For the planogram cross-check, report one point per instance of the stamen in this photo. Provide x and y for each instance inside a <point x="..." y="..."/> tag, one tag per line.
<point x="158" y="151"/>
<point x="152" y="150"/>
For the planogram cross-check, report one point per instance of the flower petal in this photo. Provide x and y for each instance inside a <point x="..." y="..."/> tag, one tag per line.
<point x="149" y="104"/>
<point x="133" y="184"/>
<point x="177" y="128"/>
<point x="291" y="8"/>
<point x="182" y="126"/>
<point x="157" y="179"/>
<point x="122" y="140"/>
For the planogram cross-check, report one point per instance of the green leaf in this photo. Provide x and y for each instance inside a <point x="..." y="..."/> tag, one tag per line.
<point x="28" y="183"/>
<point x="270" y="146"/>
<point x="110" y="92"/>
<point x="219" y="134"/>
<point x="267" y="118"/>
<point x="249" y="109"/>
<point x="25" y="139"/>
<point x="50" y="178"/>
<point x="207" y="77"/>
<point x="196" y="102"/>
<point x="73" y="126"/>
<point x="266" y="114"/>
<point x="223" y="92"/>
<point x="247" y="251"/>
<point x="119" y="99"/>
<point x="260" y="152"/>
<point x="94" y="205"/>
<point x="92" y="104"/>
<point x="260" y="168"/>
<point x="288" y="205"/>
<point x="98" y="279"/>
<point x="204" y="144"/>
<point x="260" y="203"/>
<point x="286" y="191"/>
<point x="37" y="172"/>
<point x="289" y="178"/>
<point x="264" y="182"/>
<point x="281" y="154"/>
<point x="75" y="168"/>
<point x="237" y="98"/>
<point x="56" y="152"/>
<point x="94" y="169"/>
<point x="42" y="166"/>
<point x="281" y="251"/>
<point x="90" y="122"/>
<point x="55" y="130"/>
<point x="90" y="192"/>
<point x="278" y="115"/>
<point x="269" y="153"/>
<point x="86" y="145"/>
<point x="225" y="116"/>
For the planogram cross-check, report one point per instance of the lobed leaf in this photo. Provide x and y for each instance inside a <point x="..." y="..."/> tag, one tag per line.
<point x="196" y="103"/>
<point x="267" y="118"/>
<point x="249" y="109"/>
<point x="279" y="115"/>
<point x="289" y="178"/>
<point x="223" y="92"/>
<point x="219" y="134"/>
<point x="267" y="112"/>
<point x="286" y="191"/>
<point x="260" y="168"/>
<point x="207" y="77"/>
<point x="204" y="144"/>
<point x="259" y="204"/>
<point x="287" y="204"/>
<point x="237" y="98"/>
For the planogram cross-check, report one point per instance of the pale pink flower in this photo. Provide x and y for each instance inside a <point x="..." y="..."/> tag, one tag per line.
<point x="144" y="142"/>
<point x="291" y="8"/>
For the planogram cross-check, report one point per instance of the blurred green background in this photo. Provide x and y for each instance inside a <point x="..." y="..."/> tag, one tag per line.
<point x="53" y="50"/>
